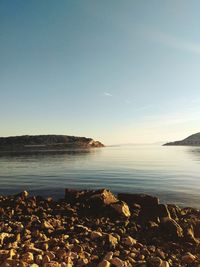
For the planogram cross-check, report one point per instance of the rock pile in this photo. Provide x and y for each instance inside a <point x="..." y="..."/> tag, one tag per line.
<point x="96" y="228"/>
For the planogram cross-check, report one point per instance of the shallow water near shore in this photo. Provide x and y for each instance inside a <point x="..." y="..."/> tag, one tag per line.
<point x="171" y="173"/>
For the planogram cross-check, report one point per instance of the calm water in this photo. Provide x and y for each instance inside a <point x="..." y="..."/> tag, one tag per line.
<point x="171" y="173"/>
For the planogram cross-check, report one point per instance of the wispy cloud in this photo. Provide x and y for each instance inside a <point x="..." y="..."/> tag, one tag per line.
<point x="107" y="94"/>
<point x="172" y="41"/>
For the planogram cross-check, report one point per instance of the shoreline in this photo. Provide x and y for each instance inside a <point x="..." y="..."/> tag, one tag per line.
<point x="97" y="228"/>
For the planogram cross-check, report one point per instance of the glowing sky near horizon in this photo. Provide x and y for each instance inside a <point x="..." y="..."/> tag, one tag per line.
<point x="116" y="71"/>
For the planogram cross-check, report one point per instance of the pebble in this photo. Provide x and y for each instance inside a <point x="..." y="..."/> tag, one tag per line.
<point x="117" y="262"/>
<point x="28" y="257"/>
<point x="188" y="258"/>
<point x="129" y="241"/>
<point x="108" y="256"/>
<point x="104" y="263"/>
<point x="95" y="235"/>
<point x="165" y="264"/>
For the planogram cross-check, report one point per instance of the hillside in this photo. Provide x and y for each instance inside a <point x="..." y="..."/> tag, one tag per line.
<point x="45" y="143"/>
<point x="192" y="140"/>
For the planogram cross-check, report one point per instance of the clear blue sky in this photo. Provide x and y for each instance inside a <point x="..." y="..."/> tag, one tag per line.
<point x="117" y="71"/>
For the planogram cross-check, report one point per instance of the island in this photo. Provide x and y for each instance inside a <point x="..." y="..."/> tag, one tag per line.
<point x="33" y="143"/>
<point x="192" y="140"/>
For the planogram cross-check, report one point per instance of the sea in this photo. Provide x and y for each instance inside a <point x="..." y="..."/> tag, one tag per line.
<point x="171" y="173"/>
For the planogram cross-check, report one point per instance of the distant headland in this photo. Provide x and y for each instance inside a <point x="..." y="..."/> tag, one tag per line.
<point x="45" y="143"/>
<point x="192" y="140"/>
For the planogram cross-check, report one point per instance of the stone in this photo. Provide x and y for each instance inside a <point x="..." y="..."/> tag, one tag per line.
<point x="142" y="199"/>
<point x="154" y="262"/>
<point x="165" y="264"/>
<point x="82" y="262"/>
<point x="95" y="235"/>
<point x="108" y="256"/>
<point x="189" y="235"/>
<point x="47" y="225"/>
<point x="46" y="259"/>
<point x="121" y="208"/>
<point x="28" y="257"/>
<point x="101" y="198"/>
<point x="117" y="262"/>
<point x="170" y="226"/>
<point x="129" y="241"/>
<point x="112" y="241"/>
<point x="3" y="236"/>
<point x="104" y="263"/>
<point x="52" y="264"/>
<point x="72" y="195"/>
<point x="188" y="258"/>
<point x="38" y="259"/>
<point x="163" y="211"/>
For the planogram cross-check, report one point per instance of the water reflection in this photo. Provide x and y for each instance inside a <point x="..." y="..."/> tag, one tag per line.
<point x="194" y="152"/>
<point x="49" y="153"/>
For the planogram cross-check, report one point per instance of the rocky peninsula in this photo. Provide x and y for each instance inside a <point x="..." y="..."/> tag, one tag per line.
<point x="192" y="140"/>
<point x="34" y="143"/>
<point x="96" y="228"/>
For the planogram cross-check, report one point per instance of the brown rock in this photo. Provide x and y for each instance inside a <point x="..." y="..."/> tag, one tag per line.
<point x="129" y="241"/>
<point x="52" y="264"/>
<point x="188" y="258"/>
<point x="101" y="198"/>
<point x="121" y="209"/>
<point x="104" y="263"/>
<point x="112" y="241"/>
<point x="95" y="235"/>
<point x="171" y="227"/>
<point x="28" y="257"/>
<point x="141" y="199"/>
<point x="154" y="262"/>
<point x="117" y="262"/>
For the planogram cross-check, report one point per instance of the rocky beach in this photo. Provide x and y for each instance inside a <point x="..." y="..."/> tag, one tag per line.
<point x="97" y="228"/>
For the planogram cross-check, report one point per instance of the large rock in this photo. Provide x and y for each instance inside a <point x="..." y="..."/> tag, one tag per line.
<point x="72" y="195"/>
<point x="142" y="199"/>
<point x="101" y="198"/>
<point x="121" y="209"/>
<point x="171" y="227"/>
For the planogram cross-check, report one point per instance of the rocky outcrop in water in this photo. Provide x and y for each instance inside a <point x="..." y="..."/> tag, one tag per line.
<point x="45" y="143"/>
<point x="192" y="140"/>
<point x="95" y="228"/>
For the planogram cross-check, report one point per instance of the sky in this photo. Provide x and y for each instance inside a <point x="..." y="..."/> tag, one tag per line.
<point x="117" y="71"/>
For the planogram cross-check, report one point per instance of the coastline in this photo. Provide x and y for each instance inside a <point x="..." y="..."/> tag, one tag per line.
<point x="97" y="228"/>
